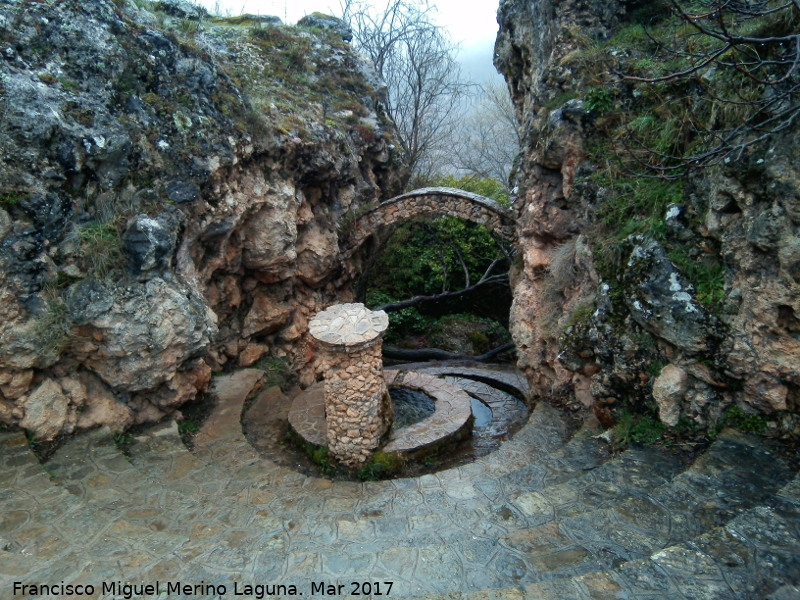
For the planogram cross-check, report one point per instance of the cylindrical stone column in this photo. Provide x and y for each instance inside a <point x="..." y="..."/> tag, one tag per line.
<point x="358" y="410"/>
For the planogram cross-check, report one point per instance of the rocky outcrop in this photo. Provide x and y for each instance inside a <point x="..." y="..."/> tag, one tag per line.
<point x="170" y="189"/>
<point x="556" y="273"/>
<point x="699" y="313"/>
<point x="661" y="301"/>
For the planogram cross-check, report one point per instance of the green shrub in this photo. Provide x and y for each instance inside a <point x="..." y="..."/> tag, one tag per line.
<point x="403" y="322"/>
<point x="465" y="333"/>
<point x="124" y="441"/>
<point x="635" y="205"/>
<point x="654" y="368"/>
<point x="11" y="197"/>
<point x="707" y="275"/>
<point x="381" y="465"/>
<point x="633" y="428"/>
<point x="53" y="329"/>
<point x="581" y="314"/>
<point x="560" y="100"/>
<point x="68" y="84"/>
<point x="188" y="427"/>
<point x="599" y="101"/>
<point x="321" y="457"/>
<point x="101" y="248"/>
<point x="484" y="186"/>
<point x="633" y="34"/>
<point x="735" y="417"/>
<point x="278" y="372"/>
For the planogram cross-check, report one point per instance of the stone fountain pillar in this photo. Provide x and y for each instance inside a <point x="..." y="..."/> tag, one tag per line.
<point x="358" y="410"/>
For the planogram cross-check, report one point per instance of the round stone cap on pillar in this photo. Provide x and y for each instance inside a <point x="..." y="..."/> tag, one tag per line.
<point x="348" y="325"/>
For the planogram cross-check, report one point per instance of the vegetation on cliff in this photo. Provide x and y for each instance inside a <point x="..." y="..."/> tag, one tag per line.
<point x="657" y="285"/>
<point x="441" y="256"/>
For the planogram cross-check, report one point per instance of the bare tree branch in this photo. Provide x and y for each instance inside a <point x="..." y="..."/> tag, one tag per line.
<point x="488" y="143"/>
<point x="503" y="279"/>
<point x="486" y="279"/>
<point x="416" y="60"/>
<point x="756" y="45"/>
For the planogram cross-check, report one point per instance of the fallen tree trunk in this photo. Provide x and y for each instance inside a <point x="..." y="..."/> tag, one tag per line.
<point x="487" y="279"/>
<point x="424" y="354"/>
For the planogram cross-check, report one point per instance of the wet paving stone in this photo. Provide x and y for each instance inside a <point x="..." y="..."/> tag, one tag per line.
<point x="550" y="514"/>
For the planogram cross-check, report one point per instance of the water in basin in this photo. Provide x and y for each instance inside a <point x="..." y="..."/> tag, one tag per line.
<point x="410" y="406"/>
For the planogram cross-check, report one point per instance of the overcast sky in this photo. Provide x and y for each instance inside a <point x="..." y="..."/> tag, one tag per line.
<point x="473" y="27"/>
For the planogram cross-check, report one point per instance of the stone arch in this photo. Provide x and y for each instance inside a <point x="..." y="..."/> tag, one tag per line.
<point x="432" y="201"/>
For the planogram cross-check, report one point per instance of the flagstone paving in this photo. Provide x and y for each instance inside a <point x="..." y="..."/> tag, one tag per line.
<point x="551" y="514"/>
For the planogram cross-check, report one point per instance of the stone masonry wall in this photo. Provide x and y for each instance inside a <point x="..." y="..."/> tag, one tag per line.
<point x="433" y="201"/>
<point x="357" y="403"/>
<point x="358" y="410"/>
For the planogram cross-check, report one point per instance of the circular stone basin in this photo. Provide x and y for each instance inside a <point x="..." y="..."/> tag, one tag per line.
<point x="451" y="420"/>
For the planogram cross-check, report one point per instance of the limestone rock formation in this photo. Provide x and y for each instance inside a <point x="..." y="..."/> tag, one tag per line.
<point x="46" y="410"/>
<point x="669" y="389"/>
<point x="661" y="300"/>
<point x="710" y="289"/>
<point x="534" y="38"/>
<point x="327" y="22"/>
<point x="170" y="189"/>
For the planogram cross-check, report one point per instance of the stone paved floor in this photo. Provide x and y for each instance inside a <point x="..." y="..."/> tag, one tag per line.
<point x="549" y="515"/>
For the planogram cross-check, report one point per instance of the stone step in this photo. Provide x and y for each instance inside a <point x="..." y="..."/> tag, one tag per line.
<point x="32" y="504"/>
<point x="584" y="451"/>
<point x="313" y="505"/>
<point x="221" y="441"/>
<point x="459" y="533"/>
<point x="448" y="506"/>
<point x="578" y="458"/>
<point x="634" y="516"/>
<point x="92" y="467"/>
<point x="344" y="514"/>
<point x="39" y="518"/>
<point x="159" y="452"/>
<point x="317" y="506"/>
<point x="229" y="393"/>
<point x="537" y="515"/>
<point x="327" y="511"/>
<point x="451" y="569"/>
<point x="755" y="555"/>
<point x="48" y="534"/>
<point x="547" y="438"/>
